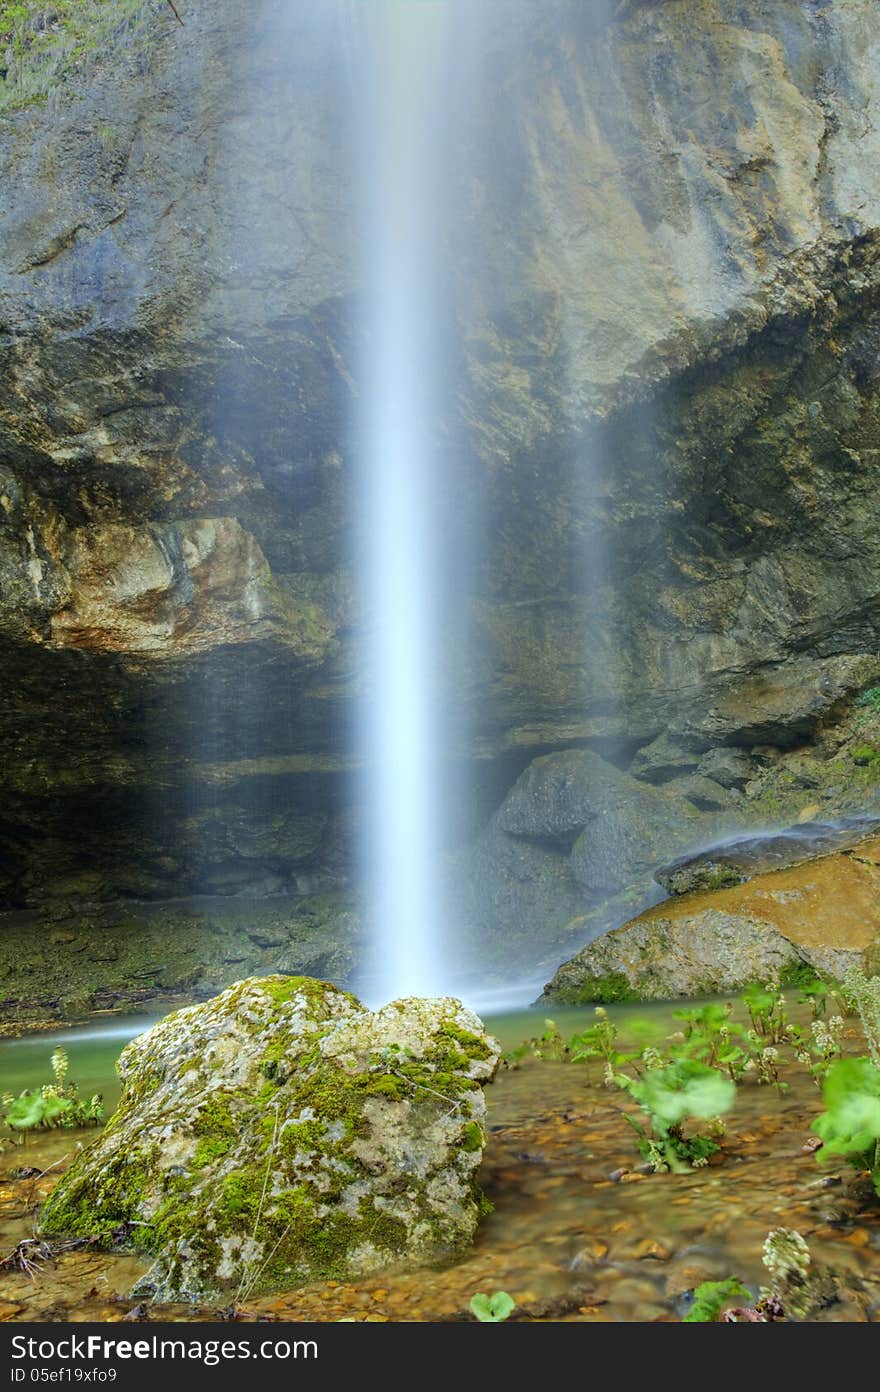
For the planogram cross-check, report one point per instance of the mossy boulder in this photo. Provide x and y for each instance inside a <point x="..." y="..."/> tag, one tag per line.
<point x="819" y="916"/>
<point x="282" y="1133"/>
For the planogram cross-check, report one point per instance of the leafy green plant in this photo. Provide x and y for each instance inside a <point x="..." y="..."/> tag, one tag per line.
<point x="54" y="1104"/>
<point x="796" y="1291"/>
<point x="492" y="1309"/>
<point x="670" y="1085"/>
<point x="815" y="993"/>
<point x="669" y="1096"/>
<point x="599" y="1041"/>
<point x="766" y="1009"/>
<point x="850" y="1124"/>
<point x="549" y="1045"/>
<point x="712" y="1298"/>
<point x="764" y="1063"/>
<point x="711" y="1036"/>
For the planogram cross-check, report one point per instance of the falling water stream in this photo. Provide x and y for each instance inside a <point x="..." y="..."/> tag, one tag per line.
<point x="400" y="54"/>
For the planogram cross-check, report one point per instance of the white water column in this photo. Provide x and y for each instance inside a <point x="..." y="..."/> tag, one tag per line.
<point x="399" y="57"/>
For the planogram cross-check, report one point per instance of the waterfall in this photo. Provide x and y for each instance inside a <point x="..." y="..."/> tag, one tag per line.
<point x="398" y="53"/>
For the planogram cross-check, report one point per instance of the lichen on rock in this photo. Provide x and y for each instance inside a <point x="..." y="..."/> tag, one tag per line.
<point x="281" y="1133"/>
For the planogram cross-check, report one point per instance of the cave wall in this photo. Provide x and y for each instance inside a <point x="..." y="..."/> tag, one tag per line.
<point x="666" y="333"/>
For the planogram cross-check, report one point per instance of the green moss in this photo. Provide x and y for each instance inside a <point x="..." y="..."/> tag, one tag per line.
<point x="473" y="1137"/>
<point x="720" y="879"/>
<point x="386" y="1085"/>
<point x="472" y="1044"/>
<point x="300" y="1136"/>
<point x="82" y="1208"/>
<point x="797" y="975"/>
<point x="609" y="989"/>
<point x="865" y="754"/>
<point x="215" y="1117"/>
<point x="239" y="1196"/>
<point x="209" y="1150"/>
<point x="866" y="757"/>
<point x="282" y="989"/>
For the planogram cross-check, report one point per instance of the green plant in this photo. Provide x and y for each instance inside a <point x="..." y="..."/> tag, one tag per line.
<point x="712" y="1298"/>
<point x="766" y="1009"/>
<point x="54" y="1104"/>
<point x="46" y="44"/>
<point x="822" y="1047"/>
<point x="850" y="1124"/>
<point x="549" y="1045"/>
<point x="870" y="698"/>
<point x="863" y="993"/>
<point x="710" y="1036"/>
<point x="815" y="994"/>
<point x="599" y="1041"/>
<point x="492" y="1309"/>
<point x="669" y="1095"/>
<point x="764" y="1063"/>
<point x="795" y="1291"/>
<point x="785" y="1255"/>
<point x="867" y="756"/>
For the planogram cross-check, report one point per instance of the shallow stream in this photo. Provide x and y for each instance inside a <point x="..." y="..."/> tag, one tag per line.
<point x="566" y="1239"/>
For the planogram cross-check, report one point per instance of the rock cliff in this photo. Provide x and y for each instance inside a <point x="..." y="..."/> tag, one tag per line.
<point x="666" y="332"/>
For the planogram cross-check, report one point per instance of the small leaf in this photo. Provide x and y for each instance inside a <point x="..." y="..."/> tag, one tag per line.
<point x="26" y="1112"/>
<point x="851" y="1124"/>
<point x="501" y="1305"/>
<point x="711" y="1298"/>
<point x="492" y="1309"/>
<point x="54" y="1107"/>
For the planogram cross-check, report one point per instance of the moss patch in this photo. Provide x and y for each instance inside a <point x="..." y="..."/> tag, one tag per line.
<point x="609" y="989"/>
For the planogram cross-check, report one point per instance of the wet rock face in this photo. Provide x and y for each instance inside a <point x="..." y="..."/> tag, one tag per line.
<point x="745" y="857"/>
<point x="283" y="1133"/>
<point x="823" y="915"/>
<point x="666" y="264"/>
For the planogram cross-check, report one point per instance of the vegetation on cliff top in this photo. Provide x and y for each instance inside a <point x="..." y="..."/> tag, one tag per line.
<point x="42" y="45"/>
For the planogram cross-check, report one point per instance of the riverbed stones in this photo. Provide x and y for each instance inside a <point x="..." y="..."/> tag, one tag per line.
<point x="282" y="1133"/>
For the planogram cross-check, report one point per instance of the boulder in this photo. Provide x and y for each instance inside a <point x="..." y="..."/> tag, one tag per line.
<point x="616" y="828"/>
<point x="663" y="759"/>
<point x="282" y="1133"/>
<point x="728" y="767"/>
<point x="743" y="857"/>
<point x="823" y="915"/>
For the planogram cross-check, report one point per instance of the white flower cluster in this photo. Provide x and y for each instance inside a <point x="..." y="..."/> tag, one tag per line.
<point x="864" y="993"/>
<point x="785" y="1254"/>
<point x="59" y="1066"/>
<point x="827" y="1035"/>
